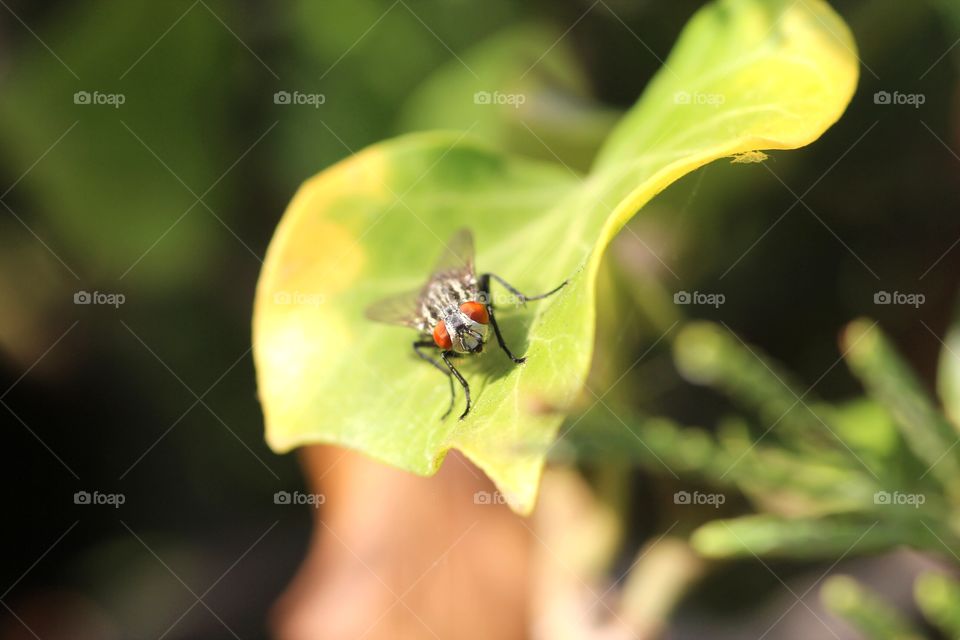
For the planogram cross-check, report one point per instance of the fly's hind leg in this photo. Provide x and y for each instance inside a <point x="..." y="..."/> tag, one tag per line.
<point x="484" y="285"/>
<point x="420" y="344"/>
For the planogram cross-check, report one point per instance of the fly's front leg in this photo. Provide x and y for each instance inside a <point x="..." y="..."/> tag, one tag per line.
<point x="523" y="298"/>
<point x="487" y="299"/>
<point x="484" y="286"/>
<point x="445" y="356"/>
<point x="420" y="344"/>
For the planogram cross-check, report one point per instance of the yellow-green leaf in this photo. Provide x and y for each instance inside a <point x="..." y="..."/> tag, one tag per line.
<point x="745" y="75"/>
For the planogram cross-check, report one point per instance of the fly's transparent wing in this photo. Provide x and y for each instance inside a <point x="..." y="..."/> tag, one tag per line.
<point x="401" y="309"/>
<point x="457" y="257"/>
<point x="408" y="309"/>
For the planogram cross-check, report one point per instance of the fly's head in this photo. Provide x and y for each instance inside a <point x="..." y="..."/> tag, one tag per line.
<point x="463" y="329"/>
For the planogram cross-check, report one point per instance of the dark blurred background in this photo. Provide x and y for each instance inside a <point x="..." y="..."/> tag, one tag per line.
<point x="166" y="193"/>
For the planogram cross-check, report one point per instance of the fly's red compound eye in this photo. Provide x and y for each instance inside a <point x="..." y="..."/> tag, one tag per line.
<point x="441" y="337"/>
<point x="475" y="311"/>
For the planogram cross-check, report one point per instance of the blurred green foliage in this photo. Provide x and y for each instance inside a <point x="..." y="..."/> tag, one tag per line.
<point x="826" y="480"/>
<point x="866" y="612"/>
<point x="937" y="596"/>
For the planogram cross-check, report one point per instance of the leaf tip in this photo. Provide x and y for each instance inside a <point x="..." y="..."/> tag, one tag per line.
<point x="841" y="593"/>
<point x="712" y="541"/>
<point x="858" y="338"/>
<point x="698" y="351"/>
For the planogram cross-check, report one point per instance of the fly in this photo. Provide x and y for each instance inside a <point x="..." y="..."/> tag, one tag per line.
<point x="452" y="312"/>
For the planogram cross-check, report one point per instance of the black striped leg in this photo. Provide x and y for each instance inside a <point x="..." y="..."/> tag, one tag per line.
<point x="484" y="284"/>
<point x="445" y="356"/>
<point x="420" y="344"/>
<point x="523" y="298"/>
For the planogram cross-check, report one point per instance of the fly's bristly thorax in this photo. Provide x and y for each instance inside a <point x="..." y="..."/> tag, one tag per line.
<point x="466" y="335"/>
